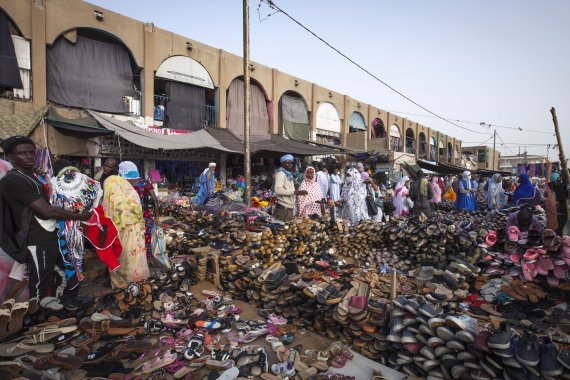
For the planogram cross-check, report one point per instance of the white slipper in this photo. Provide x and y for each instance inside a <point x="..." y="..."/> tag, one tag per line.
<point x="51" y="303"/>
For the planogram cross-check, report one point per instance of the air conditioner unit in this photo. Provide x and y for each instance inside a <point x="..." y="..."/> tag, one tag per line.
<point x="134" y="105"/>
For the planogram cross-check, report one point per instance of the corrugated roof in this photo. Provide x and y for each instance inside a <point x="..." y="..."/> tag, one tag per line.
<point x="20" y="125"/>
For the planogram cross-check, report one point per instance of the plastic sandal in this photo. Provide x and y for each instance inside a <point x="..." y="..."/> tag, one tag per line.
<point x="275" y="343"/>
<point x="159" y="362"/>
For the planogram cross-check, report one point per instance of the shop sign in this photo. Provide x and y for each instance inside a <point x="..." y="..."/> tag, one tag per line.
<point x="167" y="131"/>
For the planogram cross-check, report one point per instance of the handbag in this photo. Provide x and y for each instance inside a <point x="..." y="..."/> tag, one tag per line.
<point x="370" y="204"/>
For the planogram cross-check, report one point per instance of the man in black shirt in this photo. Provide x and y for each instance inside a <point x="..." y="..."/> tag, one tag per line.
<point x="110" y="167"/>
<point x="24" y="189"/>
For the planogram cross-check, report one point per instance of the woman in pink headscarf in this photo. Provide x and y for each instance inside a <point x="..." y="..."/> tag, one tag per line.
<point x="436" y="190"/>
<point x="306" y="203"/>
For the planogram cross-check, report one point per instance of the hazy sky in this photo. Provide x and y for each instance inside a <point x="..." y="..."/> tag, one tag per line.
<point x="503" y="62"/>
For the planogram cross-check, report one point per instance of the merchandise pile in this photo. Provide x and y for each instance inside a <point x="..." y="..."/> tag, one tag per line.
<point x="474" y="300"/>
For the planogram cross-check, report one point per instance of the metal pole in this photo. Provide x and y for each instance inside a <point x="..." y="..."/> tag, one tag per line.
<point x="494" y="135"/>
<point x="246" y="76"/>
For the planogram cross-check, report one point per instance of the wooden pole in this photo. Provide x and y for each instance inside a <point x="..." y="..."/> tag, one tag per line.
<point x="565" y="174"/>
<point x="563" y="165"/>
<point x="246" y="126"/>
<point x="393" y="284"/>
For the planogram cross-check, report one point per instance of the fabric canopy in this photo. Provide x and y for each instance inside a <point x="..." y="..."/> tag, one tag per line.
<point x="9" y="69"/>
<point x="259" y="117"/>
<point x="147" y="139"/>
<point x="185" y="108"/>
<point x="295" y="118"/>
<point x="84" y="128"/>
<point x="89" y="74"/>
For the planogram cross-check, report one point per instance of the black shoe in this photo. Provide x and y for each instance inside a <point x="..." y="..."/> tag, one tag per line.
<point x="564" y="358"/>
<point x="549" y="365"/>
<point x="528" y="351"/>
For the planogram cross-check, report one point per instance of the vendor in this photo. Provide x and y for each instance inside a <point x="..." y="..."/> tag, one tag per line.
<point x="466" y="192"/>
<point x="284" y="189"/>
<point x="524" y="220"/>
<point x="110" y="167"/>
<point x="207" y="182"/>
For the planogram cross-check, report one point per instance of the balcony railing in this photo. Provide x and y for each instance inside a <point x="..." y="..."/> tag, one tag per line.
<point x="210" y="116"/>
<point x="160" y="111"/>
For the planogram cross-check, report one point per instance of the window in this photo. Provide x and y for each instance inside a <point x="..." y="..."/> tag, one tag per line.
<point x="395" y="138"/>
<point x="481" y="155"/>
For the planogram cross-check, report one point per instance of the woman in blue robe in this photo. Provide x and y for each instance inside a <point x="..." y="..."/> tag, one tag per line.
<point x="207" y="183"/>
<point x="466" y="193"/>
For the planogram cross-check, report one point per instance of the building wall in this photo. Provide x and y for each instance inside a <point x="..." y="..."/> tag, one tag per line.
<point x="43" y="21"/>
<point x="488" y="162"/>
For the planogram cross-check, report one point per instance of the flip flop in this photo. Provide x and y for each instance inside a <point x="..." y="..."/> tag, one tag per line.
<point x="51" y="321"/>
<point x="4" y="319"/>
<point x="159" y="362"/>
<point x="17" y="314"/>
<point x="49" y="333"/>
<point x="22" y="347"/>
<point x="51" y="303"/>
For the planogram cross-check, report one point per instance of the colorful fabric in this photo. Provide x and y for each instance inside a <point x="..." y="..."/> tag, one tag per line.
<point x="354" y="198"/>
<point x="525" y="190"/>
<point x="450" y="195"/>
<point x="103" y="235"/>
<point x="286" y="158"/>
<point x="306" y="203"/>
<point x="400" y="197"/>
<point x="122" y="204"/>
<point x="465" y="197"/>
<point x="143" y="189"/>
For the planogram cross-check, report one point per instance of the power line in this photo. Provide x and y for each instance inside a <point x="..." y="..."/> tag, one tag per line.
<point x="272" y="5"/>
<point x="476" y="122"/>
<point x="499" y="136"/>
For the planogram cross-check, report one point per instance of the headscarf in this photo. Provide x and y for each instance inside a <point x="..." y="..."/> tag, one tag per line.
<point x="286" y="158"/>
<point x="435" y="189"/>
<point x="128" y="170"/>
<point x="211" y="164"/>
<point x="467" y="178"/>
<point x="496" y="195"/>
<point x="306" y="203"/>
<point x="402" y="182"/>
<point x="360" y="167"/>
<point x="554" y="177"/>
<point x="525" y="189"/>
<point x="364" y="176"/>
<point x="121" y="202"/>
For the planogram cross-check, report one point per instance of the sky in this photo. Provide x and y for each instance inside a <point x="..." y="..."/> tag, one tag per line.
<point x="503" y="63"/>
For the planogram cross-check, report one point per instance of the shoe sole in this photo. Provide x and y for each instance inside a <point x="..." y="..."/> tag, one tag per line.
<point x="527" y="363"/>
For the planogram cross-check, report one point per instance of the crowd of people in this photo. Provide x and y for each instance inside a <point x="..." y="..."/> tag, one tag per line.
<point x="45" y="219"/>
<point x="360" y="198"/>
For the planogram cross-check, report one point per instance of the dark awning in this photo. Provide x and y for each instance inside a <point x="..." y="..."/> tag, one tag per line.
<point x="440" y="168"/>
<point x="84" y="128"/>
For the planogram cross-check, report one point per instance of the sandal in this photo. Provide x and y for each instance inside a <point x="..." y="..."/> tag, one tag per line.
<point x="159" y="362"/>
<point x="17" y="314"/>
<point x="275" y="343"/>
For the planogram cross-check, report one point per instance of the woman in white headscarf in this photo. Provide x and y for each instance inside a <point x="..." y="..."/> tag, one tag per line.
<point x="373" y="190"/>
<point x="354" y="198"/>
<point x="306" y="203"/>
<point x="436" y="189"/>
<point x="400" y="197"/>
<point x="207" y="183"/>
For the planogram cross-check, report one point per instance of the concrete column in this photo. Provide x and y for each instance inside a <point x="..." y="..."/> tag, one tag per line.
<point x="148" y="74"/>
<point x="313" y="114"/>
<point x="39" y="90"/>
<point x="344" y="125"/>
<point x="222" y="92"/>
<point x="274" y="120"/>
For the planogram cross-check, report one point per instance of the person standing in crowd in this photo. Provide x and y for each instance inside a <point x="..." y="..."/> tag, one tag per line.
<point x="561" y="192"/>
<point x="284" y="189"/>
<point x="466" y="191"/>
<point x="129" y="171"/>
<point x="495" y="196"/>
<point x="122" y="204"/>
<point x="360" y="167"/>
<point x="450" y="194"/>
<point x="526" y="193"/>
<point x="373" y="190"/>
<point x="110" y="167"/>
<point x="421" y="193"/>
<point x="436" y="190"/>
<point x="353" y="198"/>
<point x="323" y="179"/>
<point x="28" y="220"/>
<point x="400" y="198"/>
<point x="550" y="207"/>
<point x="335" y="185"/>
<point x="207" y="183"/>
<point x="306" y="203"/>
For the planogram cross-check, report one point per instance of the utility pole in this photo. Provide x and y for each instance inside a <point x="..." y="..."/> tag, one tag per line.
<point x="494" y="135"/>
<point x="563" y="164"/>
<point x="246" y="148"/>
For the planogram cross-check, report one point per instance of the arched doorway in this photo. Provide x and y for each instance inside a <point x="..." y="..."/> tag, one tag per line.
<point x="441" y="151"/>
<point x="294" y="116"/>
<point x="395" y="138"/>
<point x="422" y="145"/>
<point x="328" y="124"/>
<point x="356" y="123"/>
<point x="259" y="110"/>
<point x="432" y="149"/>
<point x="184" y="94"/>
<point x="15" y="62"/>
<point x="449" y="151"/>
<point x="91" y="68"/>
<point x="410" y="141"/>
<point x="377" y="131"/>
